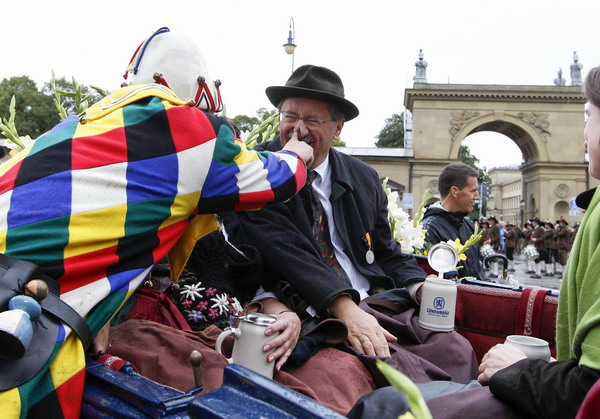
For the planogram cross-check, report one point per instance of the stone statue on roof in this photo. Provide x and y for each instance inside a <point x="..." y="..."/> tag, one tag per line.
<point x="576" y="67"/>
<point x="421" y="66"/>
<point x="559" y="81"/>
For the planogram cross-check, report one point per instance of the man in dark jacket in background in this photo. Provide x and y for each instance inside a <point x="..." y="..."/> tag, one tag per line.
<point x="447" y="219"/>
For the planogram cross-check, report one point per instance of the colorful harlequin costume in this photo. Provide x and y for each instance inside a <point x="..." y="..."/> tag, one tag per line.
<point x="97" y="201"/>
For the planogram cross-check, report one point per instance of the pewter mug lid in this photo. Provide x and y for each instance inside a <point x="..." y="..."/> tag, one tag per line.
<point x="442" y="258"/>
<point x="259" y="319"/>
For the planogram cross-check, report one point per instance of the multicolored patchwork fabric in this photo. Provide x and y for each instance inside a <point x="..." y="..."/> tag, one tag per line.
<point x="100" y="199"/>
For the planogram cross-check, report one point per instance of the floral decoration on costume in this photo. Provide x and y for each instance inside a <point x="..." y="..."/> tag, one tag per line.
<point x="203" y="305"/>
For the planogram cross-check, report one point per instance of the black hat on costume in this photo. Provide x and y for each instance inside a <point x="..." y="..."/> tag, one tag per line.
<point x="536" y="219"/>
<point x="313" y="82"/>
<point x="493" y="218"/>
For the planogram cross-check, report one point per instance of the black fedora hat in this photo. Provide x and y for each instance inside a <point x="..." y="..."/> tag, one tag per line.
<point x="313" y="82"/>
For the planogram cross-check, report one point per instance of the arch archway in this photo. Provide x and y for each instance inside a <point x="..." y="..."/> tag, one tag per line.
<point x="529" y="141"/>
<point x="545" y="122"/>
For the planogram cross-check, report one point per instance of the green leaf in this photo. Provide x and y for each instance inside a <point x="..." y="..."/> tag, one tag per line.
<point x="404" y="384"/>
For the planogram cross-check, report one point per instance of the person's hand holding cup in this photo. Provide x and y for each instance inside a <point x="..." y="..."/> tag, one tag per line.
<point x="514" y="349"/>
<point x="532" y="347"/>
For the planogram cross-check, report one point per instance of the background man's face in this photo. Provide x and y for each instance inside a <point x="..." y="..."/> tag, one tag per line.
<point x="466" y="196"/>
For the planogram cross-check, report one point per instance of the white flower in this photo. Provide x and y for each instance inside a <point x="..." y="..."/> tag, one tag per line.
<point x="192" y="291"/>
<point x="393" y="202"/>
<point x="401" y="216"/>
<point x="221" y="302"/>
<point x="236" y="305"/>
<point x="409" y="233"/>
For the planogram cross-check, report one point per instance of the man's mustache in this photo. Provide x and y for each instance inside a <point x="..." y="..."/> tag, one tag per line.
<point x="307" y="138"/>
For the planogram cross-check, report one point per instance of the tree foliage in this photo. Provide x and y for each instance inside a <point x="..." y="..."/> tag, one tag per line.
<point x="245" y="122"/>
<point x="34" y="111"/>
<point x="392" y="134"/>
<point x="464" y="155"/>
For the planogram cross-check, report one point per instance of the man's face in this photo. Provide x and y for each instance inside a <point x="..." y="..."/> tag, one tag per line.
<point x="319" y="136"/>
<point x="466" y="196"/>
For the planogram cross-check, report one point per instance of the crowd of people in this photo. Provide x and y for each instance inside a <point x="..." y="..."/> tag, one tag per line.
<point x="150" y="197"/>
<point x="545" y="244"/>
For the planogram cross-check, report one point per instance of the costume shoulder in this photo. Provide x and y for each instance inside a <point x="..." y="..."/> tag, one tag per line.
<point x="127" y="95"/>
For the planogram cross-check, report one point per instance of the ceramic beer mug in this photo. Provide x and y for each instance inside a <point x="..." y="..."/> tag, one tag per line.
<point x="532" y="347"/>
<point x="249" y="333"/>
<point x="438" y="297"/>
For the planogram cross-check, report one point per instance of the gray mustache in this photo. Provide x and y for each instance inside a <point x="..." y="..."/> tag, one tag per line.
<point x="307" y="138"/>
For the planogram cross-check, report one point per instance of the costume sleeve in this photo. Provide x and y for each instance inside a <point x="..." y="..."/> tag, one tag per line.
<point x="240" y="178"/>
<point x="544" y="389"/>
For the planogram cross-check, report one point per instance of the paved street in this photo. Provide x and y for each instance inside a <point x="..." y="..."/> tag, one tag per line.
<point x="526" y="281"/>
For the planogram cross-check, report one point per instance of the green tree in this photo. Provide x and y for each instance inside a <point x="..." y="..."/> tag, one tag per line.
<point x="464" y="155"/>
<point x="338" y="142"/>
<point x="245" y="122"/>
<point x="34" y="111"/>
<point x="392" y="134"/>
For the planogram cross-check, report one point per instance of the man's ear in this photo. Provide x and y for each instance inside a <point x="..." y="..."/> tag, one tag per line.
<point x="338" y="128"/>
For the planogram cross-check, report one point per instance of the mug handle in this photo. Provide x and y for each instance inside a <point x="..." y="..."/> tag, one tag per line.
<point x="227" y="332"/>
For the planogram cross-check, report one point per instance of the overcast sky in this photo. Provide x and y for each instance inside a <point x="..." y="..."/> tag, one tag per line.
<point x="372" y="45"/>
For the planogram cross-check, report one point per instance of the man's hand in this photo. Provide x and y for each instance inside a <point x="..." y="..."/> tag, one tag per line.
<point x="365" y="335"/>
<point x="497" y="358"/>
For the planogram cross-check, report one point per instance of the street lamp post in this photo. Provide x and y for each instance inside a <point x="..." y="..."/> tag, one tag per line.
<point x="290" y="47"/>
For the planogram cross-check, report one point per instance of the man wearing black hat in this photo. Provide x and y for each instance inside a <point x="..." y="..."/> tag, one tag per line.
<point x="494" y="240"/>
<point x="347" y="254"/>
<point x="537" y="238"/>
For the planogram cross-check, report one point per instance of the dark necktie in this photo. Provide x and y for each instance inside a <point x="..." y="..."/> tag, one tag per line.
<point x="321" y="229"/>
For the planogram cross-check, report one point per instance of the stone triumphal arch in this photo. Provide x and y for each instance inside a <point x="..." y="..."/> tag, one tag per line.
<point x="545" y="122"/>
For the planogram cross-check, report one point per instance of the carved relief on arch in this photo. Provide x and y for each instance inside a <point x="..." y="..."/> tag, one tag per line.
<point x="538" y="120"/>
<point x="562" y="190"/>
<point x="433" y="186"/>
<point x="459" y="119"/>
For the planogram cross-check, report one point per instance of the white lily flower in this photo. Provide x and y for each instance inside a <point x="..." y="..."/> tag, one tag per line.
<point x="393" y="201"/>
